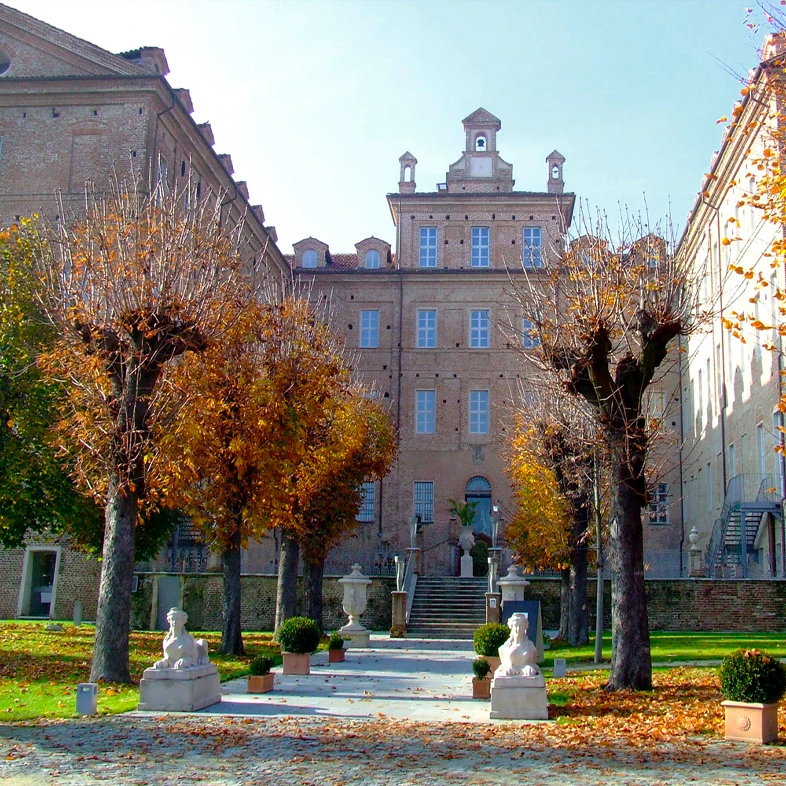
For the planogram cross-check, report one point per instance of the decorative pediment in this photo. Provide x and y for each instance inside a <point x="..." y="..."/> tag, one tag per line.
<point x="480" y="117"/>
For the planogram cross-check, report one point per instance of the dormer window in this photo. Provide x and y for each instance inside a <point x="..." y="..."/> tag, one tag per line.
<point x="480" y="143"/>
<point x="310" y="258"/>
<point x="371" y="260"/>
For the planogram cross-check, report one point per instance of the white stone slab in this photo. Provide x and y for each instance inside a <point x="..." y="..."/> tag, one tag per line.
<point x="173" y="693"/>
<point x="519" y="698"/>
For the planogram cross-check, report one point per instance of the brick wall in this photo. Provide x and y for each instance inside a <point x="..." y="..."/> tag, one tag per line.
<point x="202" y="599"/>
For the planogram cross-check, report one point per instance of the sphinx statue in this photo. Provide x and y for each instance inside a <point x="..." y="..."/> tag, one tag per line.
<point x="517" y="655"/>
<point x="181" y="649"/>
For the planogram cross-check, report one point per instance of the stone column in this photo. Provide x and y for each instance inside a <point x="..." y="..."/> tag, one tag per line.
<point x="417" y="560"/>
<point x="398" y="630"/>
<point x="695" y="555"/>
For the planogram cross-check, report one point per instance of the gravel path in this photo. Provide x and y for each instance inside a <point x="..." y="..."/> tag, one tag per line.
<point x="300" y="751"/>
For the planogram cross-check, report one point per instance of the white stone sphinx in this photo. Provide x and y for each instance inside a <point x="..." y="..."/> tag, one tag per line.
<point x="518" y="690"/>
<point x="183" y="680"/>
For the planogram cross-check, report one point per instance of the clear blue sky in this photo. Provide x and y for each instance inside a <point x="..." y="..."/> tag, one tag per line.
<point x="316" y="99"/>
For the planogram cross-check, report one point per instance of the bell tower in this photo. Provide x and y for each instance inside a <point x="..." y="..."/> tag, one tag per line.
<point x="555" y="183"/>
<point x="406" y="180"/>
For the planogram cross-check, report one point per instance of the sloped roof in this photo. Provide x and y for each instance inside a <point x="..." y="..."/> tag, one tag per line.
<point x="480" y="117"/>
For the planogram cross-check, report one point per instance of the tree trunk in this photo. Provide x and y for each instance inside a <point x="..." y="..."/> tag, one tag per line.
<point x="578" y="622"/>
<point x="631" y="664"/>
<point x="286" y="587"/>
<point x="113" y="618"/>
<point x="313" y="574"/>
<point x="231" y="636"/>
<point x="564" y="604"/>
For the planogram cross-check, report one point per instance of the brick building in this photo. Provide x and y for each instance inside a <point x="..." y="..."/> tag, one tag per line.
<point x="72" y="112"/>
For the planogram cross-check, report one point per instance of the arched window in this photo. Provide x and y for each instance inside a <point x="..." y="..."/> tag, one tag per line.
<point x="310" y="258"/>
<point x="478" y="491"/>
<point x="555" y="172"/>
<point x="480" y="143"/>
<point x="371" y="260"/>
<point x="407" y="174"/>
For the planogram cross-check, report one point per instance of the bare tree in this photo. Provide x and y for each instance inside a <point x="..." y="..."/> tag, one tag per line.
<point x="130" y="285"/>
<point x="606" y="316"/>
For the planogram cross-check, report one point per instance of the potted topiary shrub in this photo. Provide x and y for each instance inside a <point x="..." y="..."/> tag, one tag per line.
<point x="260" y="679"/>
<point x="336" y="648"/>
<point x="298" y="637"/>
<point x="481" y="682"/>
<point x="488" y="639"/>
<point x="752" y="684"/>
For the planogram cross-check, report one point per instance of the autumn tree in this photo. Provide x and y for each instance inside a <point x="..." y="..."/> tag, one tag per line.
<point x="550" y="463"/>
<point x="606" y="316"/>
<point x="359" y="447"/>
<point x="131" y="285"/>
<point x="36" y="492"/>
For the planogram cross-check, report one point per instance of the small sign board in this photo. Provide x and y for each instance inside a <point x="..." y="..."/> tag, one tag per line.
<point x="532" y="609"/>
<point x="560" y="667"/>
<point x="492" y="603"/>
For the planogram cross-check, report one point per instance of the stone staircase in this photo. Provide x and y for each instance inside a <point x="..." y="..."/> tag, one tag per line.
<point x="447" y="607"/>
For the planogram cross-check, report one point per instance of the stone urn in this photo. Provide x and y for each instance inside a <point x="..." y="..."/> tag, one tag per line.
<point x="466" y="541"/>
<point x="513" y="585"/>
<point x="355" y="585"/>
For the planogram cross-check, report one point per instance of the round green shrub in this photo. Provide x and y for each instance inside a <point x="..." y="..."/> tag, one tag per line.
<point x="336" y="642"/>
<point x="481" y="667"/>
<point x="260" y="666"/>
<point x="299" y="635"/>
<point x="489" y="638"/>
<point x="752" y="676"/>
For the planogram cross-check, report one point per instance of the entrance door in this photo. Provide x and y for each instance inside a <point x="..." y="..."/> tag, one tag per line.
<point x="478" y="491"/>
<point x="42" y="581"/>
<point x="168" y="597"/>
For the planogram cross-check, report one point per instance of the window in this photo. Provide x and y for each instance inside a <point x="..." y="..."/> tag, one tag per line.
<point x="371" y="260"/>
<point x="529" y="336"/>
<point x="480" y="247"/>
<point x="659" y="504"/>
<point x="760" y="448"/>
<point x="710" y="490"/>
<point x="480" y="143"/>
<point x="424" y="500"/>
<point x="478" y="412"/>
<point x="369" y="329"/>
<point x="427" y="329"/>
<point x="732" y="460"/>
<point x="310" y="258"/>
<point x="479" y="334"/>
<point x="425" y="411"/>
<point x="533" y="256"/>
<point x="657" y="404"/>
<point x="366" y="512"/>
<point x="428" y="246"/>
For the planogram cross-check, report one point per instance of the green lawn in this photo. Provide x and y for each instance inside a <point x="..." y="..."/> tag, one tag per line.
<point x="39" y="669"/>
<point x="674" y="647"/>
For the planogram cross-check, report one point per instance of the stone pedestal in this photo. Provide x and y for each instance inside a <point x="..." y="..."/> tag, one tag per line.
<point x="466" y="567"/>
<point x="519" y="698"/>
<point x="493" y="607"/>
<point x="179" y="690"/>
<point x="695" y="556"/>
<point x="398" y="628"/>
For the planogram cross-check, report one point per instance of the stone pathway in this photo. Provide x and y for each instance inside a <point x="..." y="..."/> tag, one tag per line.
<point x="395" y="715"/>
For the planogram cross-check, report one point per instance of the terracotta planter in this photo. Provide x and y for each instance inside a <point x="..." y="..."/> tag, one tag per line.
<point x="493" y="662"/>
<point x="295" y="663"/>
<point x="260" y="683"/>
<point x="481" y="689"/>
<point x="751" y="722"/>
<point x="336" y="656"/>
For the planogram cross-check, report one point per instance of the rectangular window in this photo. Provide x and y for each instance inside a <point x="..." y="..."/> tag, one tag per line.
<point x="428" y="246"/>
<point x="478" y="412"/>
<point x="424" y="500"/>
<point x="427" y="329"/>
<point x="659" y="504"/>
<point x="366" y="512"/>
<point x="657" y="404"/>
<point x="732" y="460"/>
<point x="480" y="247"/>
<point x="529" y="336"/>
<point x="369" y="329"/>
<point x="479" y="333"/>
<point x="760" y="448"/>
<point x="425" y="411"/>
<point x="532" y="248"/>
<point x="710" y="490"/>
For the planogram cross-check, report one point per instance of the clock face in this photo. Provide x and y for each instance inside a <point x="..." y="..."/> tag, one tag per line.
<point x="555" y="172"/>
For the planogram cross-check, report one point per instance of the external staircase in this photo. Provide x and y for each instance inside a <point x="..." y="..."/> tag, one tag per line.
<point x="447" y="607"/>
<point x="733" y="543"/>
